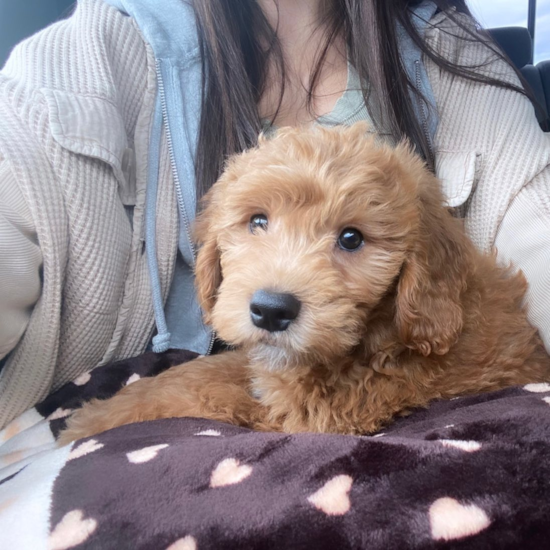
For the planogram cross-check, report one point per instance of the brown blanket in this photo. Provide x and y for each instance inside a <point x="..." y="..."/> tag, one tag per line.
<point x="468" y="473"/>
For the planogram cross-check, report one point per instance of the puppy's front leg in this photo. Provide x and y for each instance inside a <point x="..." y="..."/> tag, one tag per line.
<point x="213" y="387"/>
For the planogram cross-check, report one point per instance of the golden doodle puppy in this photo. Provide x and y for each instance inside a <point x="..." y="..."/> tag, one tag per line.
<point x="350" y="294"/>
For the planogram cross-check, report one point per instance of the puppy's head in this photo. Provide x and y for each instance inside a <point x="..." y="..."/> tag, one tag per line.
<point x="304" y="236"/>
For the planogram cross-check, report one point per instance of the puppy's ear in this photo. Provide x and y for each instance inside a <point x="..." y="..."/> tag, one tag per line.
<point x="429" y="313"/>
<point x="208" y="275"/>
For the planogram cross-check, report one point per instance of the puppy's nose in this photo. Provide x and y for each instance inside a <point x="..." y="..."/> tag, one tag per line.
<point x="273" y="311"/>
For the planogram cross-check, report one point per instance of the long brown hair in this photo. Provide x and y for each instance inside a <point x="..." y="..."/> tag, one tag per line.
<point x="233" y="37"/>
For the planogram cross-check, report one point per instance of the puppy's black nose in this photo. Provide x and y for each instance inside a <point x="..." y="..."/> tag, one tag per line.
<point x="273" y="311"/>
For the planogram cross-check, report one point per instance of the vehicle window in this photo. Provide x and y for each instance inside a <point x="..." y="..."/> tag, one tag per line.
<point x="512" y="13"/>
<point x="542" y="31"/>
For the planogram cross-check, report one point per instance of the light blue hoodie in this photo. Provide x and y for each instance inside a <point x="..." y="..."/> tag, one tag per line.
<point x="170" y="29"/>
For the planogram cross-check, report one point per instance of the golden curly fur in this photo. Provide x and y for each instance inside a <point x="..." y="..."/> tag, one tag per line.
<point x="415" y="314"/>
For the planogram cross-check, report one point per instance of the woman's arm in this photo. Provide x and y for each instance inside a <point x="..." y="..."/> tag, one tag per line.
<point x="523" y="239"/>
<point x="20" y="262"/>
<point x="509" y="206"/>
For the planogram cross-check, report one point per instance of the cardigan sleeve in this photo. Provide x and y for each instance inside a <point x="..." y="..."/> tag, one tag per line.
<point x="20" y="262"/>
<point x="508" y="209"/>
<point x="523" y="239"/>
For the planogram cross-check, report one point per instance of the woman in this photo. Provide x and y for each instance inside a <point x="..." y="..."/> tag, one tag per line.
<point x="114" y="122"/>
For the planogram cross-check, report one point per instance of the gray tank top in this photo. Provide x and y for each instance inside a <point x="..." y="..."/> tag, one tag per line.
<point x="349" y="108"/>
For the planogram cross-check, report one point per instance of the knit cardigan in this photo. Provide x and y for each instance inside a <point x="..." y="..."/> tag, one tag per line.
<point x="76" y="103"/>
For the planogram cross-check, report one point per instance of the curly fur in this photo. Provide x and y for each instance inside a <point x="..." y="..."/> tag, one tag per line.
<point x="416" y="314"/>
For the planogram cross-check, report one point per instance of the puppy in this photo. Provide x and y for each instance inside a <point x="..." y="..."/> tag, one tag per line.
<point x="350" y="295"/>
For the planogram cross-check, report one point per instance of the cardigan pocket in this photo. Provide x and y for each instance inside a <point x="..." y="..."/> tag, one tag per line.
<point x="458" y="173"/>
<point x="93" y="127"/>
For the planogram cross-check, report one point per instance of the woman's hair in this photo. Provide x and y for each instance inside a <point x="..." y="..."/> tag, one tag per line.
<point x="237" y="42"/>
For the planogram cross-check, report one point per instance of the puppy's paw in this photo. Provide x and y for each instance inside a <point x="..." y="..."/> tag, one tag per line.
<point x="72" y="434"/>
<point x="93" y="418"/>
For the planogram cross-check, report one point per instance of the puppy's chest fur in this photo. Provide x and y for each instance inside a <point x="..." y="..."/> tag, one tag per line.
<point x="347" y="396"/>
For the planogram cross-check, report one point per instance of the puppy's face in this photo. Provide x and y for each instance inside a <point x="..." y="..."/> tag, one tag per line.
<point x="301" y="238"/>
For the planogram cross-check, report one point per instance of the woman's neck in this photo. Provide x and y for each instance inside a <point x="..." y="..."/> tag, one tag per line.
<point x="299" y="28"/>
<point x="302" y="33"/>
<point x="294" y="20"/>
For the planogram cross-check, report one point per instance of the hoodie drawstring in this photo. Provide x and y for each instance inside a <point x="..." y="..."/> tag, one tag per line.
<point x="161" y="342"/>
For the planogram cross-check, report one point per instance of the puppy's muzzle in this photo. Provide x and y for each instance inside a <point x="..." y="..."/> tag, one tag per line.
<point x="273" y="311"/>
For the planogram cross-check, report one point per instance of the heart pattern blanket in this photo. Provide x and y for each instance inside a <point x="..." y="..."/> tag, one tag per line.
<point x="472" y="472"/>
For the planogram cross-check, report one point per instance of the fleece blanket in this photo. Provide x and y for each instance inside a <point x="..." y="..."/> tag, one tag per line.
<point x="467" y="473"/>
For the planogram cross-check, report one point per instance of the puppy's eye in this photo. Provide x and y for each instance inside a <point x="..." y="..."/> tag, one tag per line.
<point x="257" y="222"/>
<point x="350" y="239"/>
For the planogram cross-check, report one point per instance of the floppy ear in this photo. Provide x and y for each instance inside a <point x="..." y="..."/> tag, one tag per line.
<point x="208" y="275"/>
<point x="429" y="312"/>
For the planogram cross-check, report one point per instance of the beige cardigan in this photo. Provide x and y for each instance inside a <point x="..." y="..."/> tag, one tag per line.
<point x="76" y="103"/>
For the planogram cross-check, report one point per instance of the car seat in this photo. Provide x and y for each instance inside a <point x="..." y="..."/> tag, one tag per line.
<point x="517" y="43"/>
